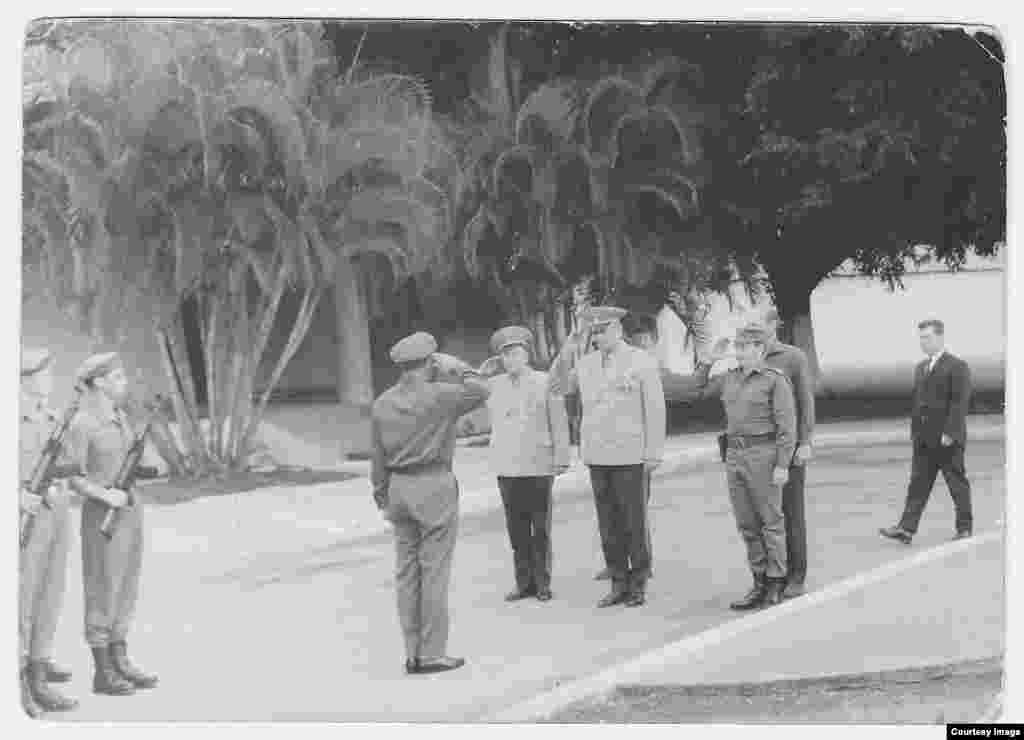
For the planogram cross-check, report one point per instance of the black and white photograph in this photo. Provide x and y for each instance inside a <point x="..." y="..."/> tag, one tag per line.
<point x="512" y="371"/>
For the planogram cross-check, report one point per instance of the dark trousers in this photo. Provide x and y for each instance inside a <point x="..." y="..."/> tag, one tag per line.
<point x="925" y="467"/>
<point x="796" y="524"/>
<point x="620" y="496"/>
<point x="527" y="503"/>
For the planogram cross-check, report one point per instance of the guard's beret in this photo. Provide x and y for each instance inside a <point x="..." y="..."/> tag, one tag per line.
<point x="413" y="348"/>
<point x="600" y="315"/>
<point x="33" y="360"/>
<point x="510" y="336"/>
<point x="96" y="367"/>
<point x="752" y="332"/>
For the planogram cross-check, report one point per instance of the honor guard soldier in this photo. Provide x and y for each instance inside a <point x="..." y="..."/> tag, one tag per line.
<point x="44" y="555"/>
<point x="792" y="362"/>
<point x="760" y="439"/>
<point x="110" y="567"/>
<point x="622" y="439"/>
<point x="529" y="447"/>
<point x="413" y="485"/>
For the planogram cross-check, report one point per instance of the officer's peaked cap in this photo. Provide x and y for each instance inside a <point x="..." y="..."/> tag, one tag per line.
<point x="413" y="348"/>
<point x="96" y="367"/>
<point x="511" y="336"/>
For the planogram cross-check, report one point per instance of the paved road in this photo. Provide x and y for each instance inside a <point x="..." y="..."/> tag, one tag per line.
<point x="315" y="635"/>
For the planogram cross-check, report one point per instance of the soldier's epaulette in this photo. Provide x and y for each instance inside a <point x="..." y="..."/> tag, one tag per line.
<point x="773" y="371"/>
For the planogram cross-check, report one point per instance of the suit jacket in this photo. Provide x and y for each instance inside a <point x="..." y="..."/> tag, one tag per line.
<point x="941" y="400"/>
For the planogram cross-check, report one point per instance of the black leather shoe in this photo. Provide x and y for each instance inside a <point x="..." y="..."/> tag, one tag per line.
<point x="794" y="590"/>
<point x="520" y="594"/>
<point x="544" y="594"/>
<point x="107" y="680"/>
<point x="963" y="534"/>
<point x="440" y="665"/>
<point x="637" y="598"/>
<point x="127" y="669"/>
<point x="753" y="599"/>
<point x="412" y="665"/>
<point x="604" y="575"/>
<point x="615" y="597"/>
<point x="56" y="674"/>
<point x="47" y="698"/>
<point x="773" y="592"/>
<point x="27" y="702"/>
<point x="897" y="533"/>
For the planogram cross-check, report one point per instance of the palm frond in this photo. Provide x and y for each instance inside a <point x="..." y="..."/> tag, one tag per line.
<point x="609" y="100"/>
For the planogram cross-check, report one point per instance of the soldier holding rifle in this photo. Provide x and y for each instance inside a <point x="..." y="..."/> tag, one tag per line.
<point x="45" y="536"/>
<point x="111" y="565"/>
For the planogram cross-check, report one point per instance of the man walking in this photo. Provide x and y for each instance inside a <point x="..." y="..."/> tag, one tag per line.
<point x="792" y="362"/>
<point x="622" y="438"/>
<point x="111" y="568"/>
<point x="413" y="445"/>
<point x="44" y="557"/>
<point x="938" y="430"/>
<point x="760" y="436"/>
<point x="529" y="447"/>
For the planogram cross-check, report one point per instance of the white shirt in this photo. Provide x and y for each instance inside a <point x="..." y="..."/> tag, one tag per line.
<point x="934" y="359"/>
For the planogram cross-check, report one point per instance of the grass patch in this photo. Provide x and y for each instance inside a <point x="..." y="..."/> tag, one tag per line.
<point x="172" y="492"/>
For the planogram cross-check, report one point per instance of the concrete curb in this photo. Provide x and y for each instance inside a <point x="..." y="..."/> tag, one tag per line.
<point x="606" y="682"/>
<point x="704" y="453"/>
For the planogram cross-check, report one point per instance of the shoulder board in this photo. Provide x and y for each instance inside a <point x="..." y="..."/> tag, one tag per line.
<point x="773" y="371"/>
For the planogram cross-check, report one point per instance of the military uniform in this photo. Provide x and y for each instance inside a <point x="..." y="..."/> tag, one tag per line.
<point x="623" y="429"/>
<point x="792" y="362"/>
<point x="43" y="560"/>
<point x="413" y="484"/>
<point x="111" y="568"/>
<point x="761" y="433"/>
<point x="529" y="445"/>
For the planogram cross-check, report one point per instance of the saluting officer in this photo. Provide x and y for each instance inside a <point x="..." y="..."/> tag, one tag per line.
<point x="761" y="432"/>
<point x="413" y="484"/>
<point x="44" y="559"/>
<point x="111" y="568"/>
<point x="622" y="439"/>
<point x="529" y="447"/>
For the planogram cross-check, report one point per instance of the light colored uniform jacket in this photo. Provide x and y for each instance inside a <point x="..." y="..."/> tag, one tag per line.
<point x="623" y="404"/>
<point x="529" y="426"/>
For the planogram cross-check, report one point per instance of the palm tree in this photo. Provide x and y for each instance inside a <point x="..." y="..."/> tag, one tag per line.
<point x="581" y="180"/>
<point x="230" y="164"/>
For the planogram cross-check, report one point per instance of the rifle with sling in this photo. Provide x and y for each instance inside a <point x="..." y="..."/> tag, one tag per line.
<point x="130" y="472"/>
<point x="46" y="468"/>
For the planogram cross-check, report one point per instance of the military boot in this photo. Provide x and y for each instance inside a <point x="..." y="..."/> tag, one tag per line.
<point x="129" y="671"/>
<point x="31" y="708"/>
<point x="773" y="592"/>
<point x="754" y="597"/>
<point x="48" y="699"/>
<point x="107" y="680"/>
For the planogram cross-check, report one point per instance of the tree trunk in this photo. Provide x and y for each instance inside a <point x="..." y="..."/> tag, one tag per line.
<point x="183" y="402"/>
<point x="355" y="365"/>
<point x="793" y="303"/>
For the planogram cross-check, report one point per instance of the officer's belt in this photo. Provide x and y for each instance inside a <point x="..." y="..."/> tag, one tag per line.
<point x="740" y="441"/>
<point x="419" y="468"/>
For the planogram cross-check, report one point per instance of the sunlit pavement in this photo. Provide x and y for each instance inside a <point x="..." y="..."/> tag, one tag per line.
<point x="278" y="630"/>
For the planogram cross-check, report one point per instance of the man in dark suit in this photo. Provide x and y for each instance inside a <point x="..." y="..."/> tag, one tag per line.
<point x="938" y="429"/>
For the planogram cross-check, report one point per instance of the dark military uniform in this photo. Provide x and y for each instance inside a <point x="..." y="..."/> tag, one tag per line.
<point x="413" y="484"/>
<point x="761" y="432"/>
<point x="792" y="362"/>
